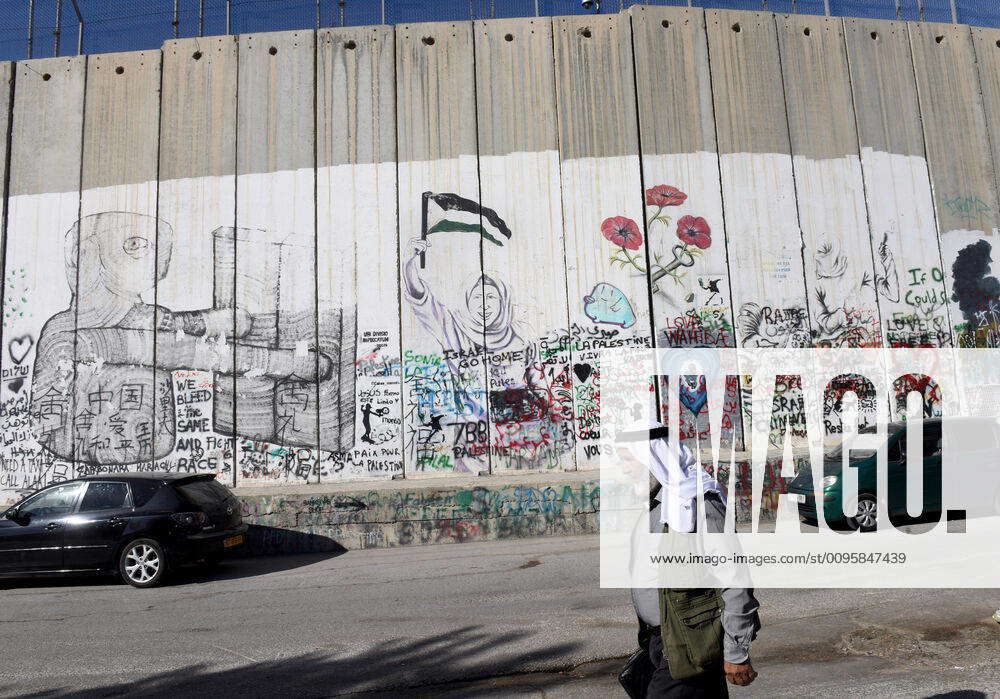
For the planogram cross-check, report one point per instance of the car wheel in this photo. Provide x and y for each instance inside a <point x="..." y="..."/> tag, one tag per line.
<point x="866" y="519"/>
<point x="142" y="563"/>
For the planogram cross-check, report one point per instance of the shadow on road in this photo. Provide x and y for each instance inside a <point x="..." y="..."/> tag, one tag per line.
<point x="269" y="541"/>
<point x="398" y="665"/>
<point x="234" y="568"/>
<point x="237" y="568"/>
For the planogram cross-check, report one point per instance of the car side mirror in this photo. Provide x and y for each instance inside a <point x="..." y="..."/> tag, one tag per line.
<point x="14" y="515"/>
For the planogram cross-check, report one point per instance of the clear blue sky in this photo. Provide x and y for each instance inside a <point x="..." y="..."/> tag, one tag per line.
<point x="120" y="25"/>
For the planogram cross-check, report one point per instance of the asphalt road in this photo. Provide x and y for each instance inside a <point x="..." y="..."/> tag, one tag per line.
<point x="522" y="618"/>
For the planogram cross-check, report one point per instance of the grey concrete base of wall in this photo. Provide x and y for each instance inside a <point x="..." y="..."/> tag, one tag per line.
<point x="384" y="514"/>
<point x="412" y="512"/>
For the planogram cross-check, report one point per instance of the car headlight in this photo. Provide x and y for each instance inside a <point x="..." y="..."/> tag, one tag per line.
<point x="830" y="481"/>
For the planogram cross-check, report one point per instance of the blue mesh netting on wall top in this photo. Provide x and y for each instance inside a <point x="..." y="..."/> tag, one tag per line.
<point x="123" y="25"/>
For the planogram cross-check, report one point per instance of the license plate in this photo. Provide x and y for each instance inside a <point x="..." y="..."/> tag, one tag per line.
<point x="799" y="497"/>
<point x="233" y="541"/>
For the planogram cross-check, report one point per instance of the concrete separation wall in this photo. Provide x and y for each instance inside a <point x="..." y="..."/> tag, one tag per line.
<point x="302" y="260"/>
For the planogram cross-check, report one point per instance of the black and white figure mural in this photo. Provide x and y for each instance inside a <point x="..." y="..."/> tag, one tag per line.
<point x="104" y="378"/>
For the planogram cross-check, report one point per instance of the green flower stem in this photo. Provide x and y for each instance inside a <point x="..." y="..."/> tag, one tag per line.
<point x="654" y="267"/>
<point x="665" y="220"/>
<point x="629" y="259"/>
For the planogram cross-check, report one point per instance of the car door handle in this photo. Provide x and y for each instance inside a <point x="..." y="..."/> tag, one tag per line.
<point x="53" y="525"/>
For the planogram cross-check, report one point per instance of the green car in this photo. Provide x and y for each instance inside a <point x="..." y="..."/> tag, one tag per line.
<point x="977" y="445"/>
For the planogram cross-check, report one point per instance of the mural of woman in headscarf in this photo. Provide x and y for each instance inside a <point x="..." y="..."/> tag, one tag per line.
<point x="102" y="372"/>
<point x="485" y="324"/>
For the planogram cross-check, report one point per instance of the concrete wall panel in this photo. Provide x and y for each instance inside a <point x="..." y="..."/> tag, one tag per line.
<point x="197" y="198"/>
<point x="830" y="198"/>
<point x="44" y="203"/>
<point x="6" y="95"/>
<point x="961" y="170"/>
<point x="758" y="187"/>
<point x="951" y="105"/>
<point x="117" y="267"/>
<point x="441" y="290"/>
<point x="683" y="197"/>
<point x="677" y="125"/>
<point x="357" y="247"/>
<point x="987" y="48"/>
<point x="986" y="42"/>
<point x="530" y="398"/>
<point x="908" y="273"/>
<point x="602" y="204"/>
<point x="829" y="186"/>
<point x="274" y="244"/>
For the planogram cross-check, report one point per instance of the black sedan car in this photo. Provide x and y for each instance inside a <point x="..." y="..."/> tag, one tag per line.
<point x="140" y="525"/>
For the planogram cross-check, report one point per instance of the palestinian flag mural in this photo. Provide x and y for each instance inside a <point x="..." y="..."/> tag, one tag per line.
<point x="454" y="214"/>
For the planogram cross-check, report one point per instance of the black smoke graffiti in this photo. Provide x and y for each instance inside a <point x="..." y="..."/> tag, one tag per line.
<point x="977" y="294"/>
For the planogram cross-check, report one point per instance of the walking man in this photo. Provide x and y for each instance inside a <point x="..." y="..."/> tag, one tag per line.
<point x="697" y="639"/>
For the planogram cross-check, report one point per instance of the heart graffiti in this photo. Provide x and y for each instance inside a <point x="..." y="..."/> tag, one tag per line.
<point x="19" y="347"/>
<point x="693" y="400"/>
<point x="583" y="371"/>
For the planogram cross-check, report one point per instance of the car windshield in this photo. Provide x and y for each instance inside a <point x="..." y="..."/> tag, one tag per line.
<point x="53" y="502"/>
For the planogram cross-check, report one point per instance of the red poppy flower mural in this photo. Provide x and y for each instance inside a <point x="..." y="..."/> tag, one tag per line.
<point x="623" y="232"/>
<point x="694" y="230"/>
<point x="694" y="233"/>
<point x="664" y="195"/>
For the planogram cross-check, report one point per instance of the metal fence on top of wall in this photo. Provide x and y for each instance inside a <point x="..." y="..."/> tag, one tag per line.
<point x="40" y="28"/>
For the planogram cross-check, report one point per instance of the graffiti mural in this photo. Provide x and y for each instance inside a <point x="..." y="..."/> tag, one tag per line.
<point x="115" y="381"/>
<point x="119" y="382"/>
<point x="614" y="311"/>
<point x="920" y="291"/>
<point x="527" y="396"/>
<point x="696" y="300"/>
<point x="844" y="311"/>
<point x="766" y="326"/>
<point x="385" y="298"/>
<point x="977" y="293"/>
<point x="609" y="304"/>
